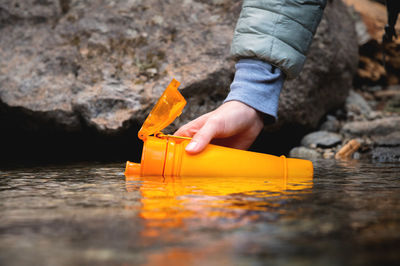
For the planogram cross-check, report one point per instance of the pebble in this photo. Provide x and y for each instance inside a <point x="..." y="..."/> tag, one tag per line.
<point x="357" y="156"/>
<point x="323" y="139"/>
<point x="328" y="155"/>
<point x="331" y="124"/>
<point x="304" y="153"/>
<point x="152" y="71"/>
<point x="357" y="104"/>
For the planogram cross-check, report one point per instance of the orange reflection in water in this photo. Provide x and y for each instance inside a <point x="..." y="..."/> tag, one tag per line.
<point x="177" y="202"/>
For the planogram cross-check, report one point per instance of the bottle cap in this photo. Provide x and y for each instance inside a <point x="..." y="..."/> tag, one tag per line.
<point x="153" y="159"/>
<point x="166" y="110"/>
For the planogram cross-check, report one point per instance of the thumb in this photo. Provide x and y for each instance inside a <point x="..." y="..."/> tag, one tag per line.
<point x="203" y="137"/>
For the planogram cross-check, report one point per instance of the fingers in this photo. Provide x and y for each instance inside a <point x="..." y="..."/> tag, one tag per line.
<point x="240" y="141"/>
<point x="202" y="130"/>
<point x="233" y="124"/>
<point x="203" y="137"/>
<point x="191" y="128"/>
<point x="186" y="131"/>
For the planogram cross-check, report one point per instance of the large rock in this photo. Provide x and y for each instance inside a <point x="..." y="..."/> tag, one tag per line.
<point x="103" y="63"/>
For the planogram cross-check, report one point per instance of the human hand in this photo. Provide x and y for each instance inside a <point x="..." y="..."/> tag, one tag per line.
<point x="233" y="124"/>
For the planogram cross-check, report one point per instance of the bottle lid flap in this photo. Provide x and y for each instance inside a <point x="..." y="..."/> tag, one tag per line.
<point x="166" y="110"/>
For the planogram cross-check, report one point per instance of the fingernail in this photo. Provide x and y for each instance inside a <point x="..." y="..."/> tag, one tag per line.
<point x="191" y="146"/>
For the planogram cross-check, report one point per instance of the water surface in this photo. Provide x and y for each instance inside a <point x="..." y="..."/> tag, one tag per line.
<point x="348" y="214"/>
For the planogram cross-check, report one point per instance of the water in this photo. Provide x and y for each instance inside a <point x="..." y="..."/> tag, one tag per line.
<point x="348" y="214"/>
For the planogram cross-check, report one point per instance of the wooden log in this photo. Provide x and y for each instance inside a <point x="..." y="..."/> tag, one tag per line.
<point x="347" y="150"/>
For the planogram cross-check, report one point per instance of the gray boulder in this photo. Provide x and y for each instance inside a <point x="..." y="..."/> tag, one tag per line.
<point x="102" y="64"/>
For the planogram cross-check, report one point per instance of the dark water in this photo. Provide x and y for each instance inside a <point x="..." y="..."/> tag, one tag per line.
<point x="348" y="214"/>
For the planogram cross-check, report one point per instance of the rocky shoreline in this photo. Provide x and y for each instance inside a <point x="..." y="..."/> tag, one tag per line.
<point x="374" y="124"/>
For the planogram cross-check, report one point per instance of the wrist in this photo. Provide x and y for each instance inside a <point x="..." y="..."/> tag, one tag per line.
<point x="258" y="85"/>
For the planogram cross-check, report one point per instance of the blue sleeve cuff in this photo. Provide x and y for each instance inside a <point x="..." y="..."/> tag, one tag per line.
<point x="257" y="84"/>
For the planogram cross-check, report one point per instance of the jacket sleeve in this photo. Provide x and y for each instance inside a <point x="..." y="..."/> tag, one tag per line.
<point x="258" y="85"/>
<point x="277" y="31"/>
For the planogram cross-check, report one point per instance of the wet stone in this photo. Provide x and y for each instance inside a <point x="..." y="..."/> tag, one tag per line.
<point x="331" y="124"/>
<point x="372" y="88"/>
<point x="386" y="154"/>
<point x="357" y="156"/>
<point x="391" y="140"/>
<point x="323" y="139"/>
<point x="328" y="154"/>
<point x="357" y="104"/>
<point x="391" y="91"/>
<point x="393" y="105"/>
<point x="304" y="153"/>
<point x="381" y="127"/>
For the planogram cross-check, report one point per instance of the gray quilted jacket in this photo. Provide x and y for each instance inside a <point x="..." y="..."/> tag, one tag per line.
<point x="277" y="31"/>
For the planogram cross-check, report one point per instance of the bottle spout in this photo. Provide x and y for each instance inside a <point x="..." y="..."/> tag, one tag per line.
<point x="132" y="169"/>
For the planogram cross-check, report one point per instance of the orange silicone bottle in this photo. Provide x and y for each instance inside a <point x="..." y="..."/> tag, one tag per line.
<point x="164" y="155"/>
